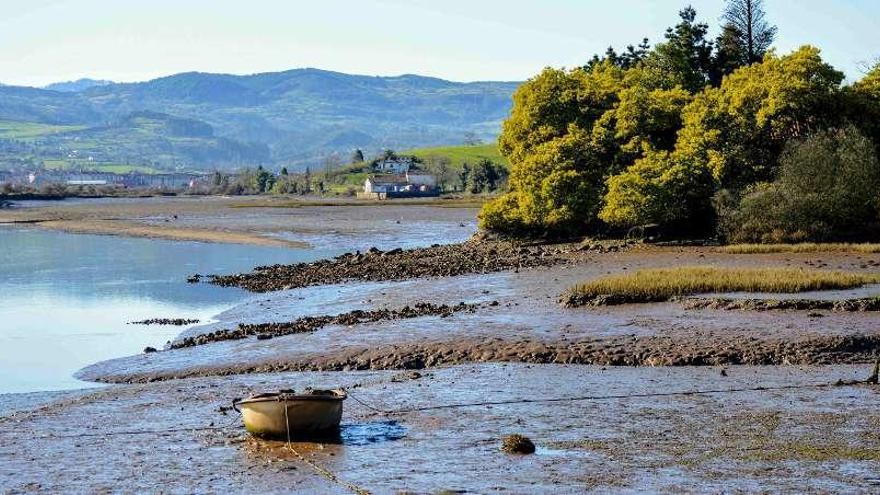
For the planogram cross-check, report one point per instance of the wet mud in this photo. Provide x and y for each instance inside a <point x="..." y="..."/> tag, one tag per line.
<point x="871" y="304"/>
<point x="622" y="429"/>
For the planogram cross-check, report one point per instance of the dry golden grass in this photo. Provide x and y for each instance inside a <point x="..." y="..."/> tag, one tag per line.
<point x="800" y="248"/>
<point x="661" y="284"/>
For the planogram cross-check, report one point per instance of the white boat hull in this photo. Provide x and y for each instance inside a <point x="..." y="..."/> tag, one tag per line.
<point x="296" y="417"/>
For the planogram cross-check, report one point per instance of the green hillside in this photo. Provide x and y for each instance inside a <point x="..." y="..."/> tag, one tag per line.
<point x="10" y="129"/>
<point x="293" y="118"/>
<point x="459" y="155"/>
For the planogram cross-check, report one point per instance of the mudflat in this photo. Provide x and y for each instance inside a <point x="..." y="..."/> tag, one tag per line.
<point x="671" y="396"/>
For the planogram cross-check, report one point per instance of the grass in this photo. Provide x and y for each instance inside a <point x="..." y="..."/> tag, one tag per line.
<point x="866" y="248"/>
<point x="110" y="168"/>
<point x="662" y="284"/>
<point x="458" y="155"/>
<point x="10" y="129"/>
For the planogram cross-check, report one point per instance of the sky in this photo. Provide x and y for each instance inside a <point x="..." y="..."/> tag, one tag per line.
<point x="45" y="41"/>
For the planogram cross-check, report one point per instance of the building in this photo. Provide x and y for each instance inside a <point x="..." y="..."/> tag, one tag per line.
<point x="400" y="165"/>
<point x="420" y="178"/>
<point x="399" y="186"/>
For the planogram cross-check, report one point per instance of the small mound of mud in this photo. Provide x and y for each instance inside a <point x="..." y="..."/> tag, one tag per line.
<point x="572" y="299"/>
<point x="265" y="331"/>
<point x="404" y="264"/>
<point x="179" y="322"/>
<point x="870" y="304"/>
<point x="517" y="444"/>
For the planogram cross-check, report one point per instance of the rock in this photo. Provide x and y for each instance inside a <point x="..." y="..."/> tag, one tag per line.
<point x="517" y="444"/>
<point x="150" y="350"/>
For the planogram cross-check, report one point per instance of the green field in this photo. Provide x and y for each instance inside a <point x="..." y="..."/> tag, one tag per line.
<point x="10" y="129"/>
<point x="110" y="168"/>
<point x="458" y="155"/>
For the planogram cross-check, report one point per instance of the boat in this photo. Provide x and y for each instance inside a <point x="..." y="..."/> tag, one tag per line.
<point x="287" y="415"/>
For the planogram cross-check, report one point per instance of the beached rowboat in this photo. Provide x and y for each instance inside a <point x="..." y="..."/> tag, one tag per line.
<point x="285" y="414"/>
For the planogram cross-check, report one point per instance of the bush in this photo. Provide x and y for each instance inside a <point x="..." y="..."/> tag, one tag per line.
<point x="827" y="188"/>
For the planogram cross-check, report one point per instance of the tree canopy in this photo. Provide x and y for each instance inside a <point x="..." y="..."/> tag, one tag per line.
<point x="655" y="135"/>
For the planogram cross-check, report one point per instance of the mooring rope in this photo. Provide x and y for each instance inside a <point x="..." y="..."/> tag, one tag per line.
<point x="461" y="405"/>
<point x="317" y="467"/>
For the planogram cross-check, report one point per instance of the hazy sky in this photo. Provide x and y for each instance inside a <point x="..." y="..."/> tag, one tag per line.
<point x="43" y="41"/>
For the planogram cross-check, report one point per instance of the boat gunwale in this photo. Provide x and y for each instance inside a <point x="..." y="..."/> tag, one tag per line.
<point x="337" y="396"/>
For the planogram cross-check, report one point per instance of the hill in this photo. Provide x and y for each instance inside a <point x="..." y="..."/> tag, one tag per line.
<point x="292" y="118"/>
<point x="76" y="86"/>
<point x="459" y="155"/>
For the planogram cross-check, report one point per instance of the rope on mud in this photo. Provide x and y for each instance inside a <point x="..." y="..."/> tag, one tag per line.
<point x="232" y="424"/>
<point x="608" y="397"/>
<point x="318" y="468"/>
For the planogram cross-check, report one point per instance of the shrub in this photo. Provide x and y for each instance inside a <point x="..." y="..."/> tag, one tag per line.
<point x="827" y="188"/>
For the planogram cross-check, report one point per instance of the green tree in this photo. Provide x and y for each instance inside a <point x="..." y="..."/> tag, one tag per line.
<point x="733" y="134"/>
<point x="284" y="171"/>
<point x="827" y="189"/>
<point x="357" y="156"/>
<point x="686" y="53"/>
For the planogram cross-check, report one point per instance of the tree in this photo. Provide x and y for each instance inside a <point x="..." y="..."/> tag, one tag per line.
<point x="729" y="54"/>
<point x="826" y="189"/>
<point x="472" y="139"/>
<point x="626" y="60"/>
<point x="733" y="135"/>
<point x="747" y="23"/>
<point x="686" y="53"/>
<point x="284" y="171"/>
<point x="357" y="156"/>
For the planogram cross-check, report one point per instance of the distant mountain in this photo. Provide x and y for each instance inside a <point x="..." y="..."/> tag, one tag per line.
<point x="77" y="86"/>
<point x="281" y="118"/>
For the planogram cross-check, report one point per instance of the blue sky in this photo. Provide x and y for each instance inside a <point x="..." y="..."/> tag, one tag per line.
<point x="43" y="41"/>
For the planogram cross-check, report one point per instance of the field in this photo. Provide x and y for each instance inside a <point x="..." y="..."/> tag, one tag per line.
<point x="110" y="168"/>
<point x="29" y="130"/>
<point x="459" y="155"/>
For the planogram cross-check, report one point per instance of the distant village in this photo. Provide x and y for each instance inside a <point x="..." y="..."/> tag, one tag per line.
<point x="387" y="178"/>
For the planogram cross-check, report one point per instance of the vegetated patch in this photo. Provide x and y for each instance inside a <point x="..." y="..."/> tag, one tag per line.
<point x="806" y="247"/>
<point x="862" y="305"/>
<point x="663" y="284"/>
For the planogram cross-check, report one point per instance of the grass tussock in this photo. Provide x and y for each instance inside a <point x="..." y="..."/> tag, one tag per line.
<point x="809" y="247"/>
<point x="662" y="284"/>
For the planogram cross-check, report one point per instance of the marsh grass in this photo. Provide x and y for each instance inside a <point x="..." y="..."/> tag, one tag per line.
<point x="662" y="284"/>
<point x="809" y="247"/>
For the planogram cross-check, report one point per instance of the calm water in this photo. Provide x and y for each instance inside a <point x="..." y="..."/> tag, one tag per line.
<point x="65" y="299"/>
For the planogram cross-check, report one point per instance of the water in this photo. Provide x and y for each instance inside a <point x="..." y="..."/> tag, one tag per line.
<point x="65" y="300"/>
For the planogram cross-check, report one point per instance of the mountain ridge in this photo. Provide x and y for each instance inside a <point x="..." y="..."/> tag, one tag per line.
<point x="299" y="115"/>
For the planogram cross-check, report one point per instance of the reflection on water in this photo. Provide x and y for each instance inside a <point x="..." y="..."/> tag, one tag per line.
<point x="370" y="433"/>
<point x="65" y="299"/>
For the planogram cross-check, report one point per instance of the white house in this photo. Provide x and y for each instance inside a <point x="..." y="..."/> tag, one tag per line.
<point x="385" y="184"/>
<point x="394" y="165"/>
